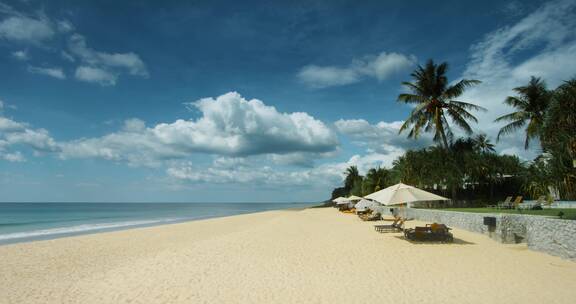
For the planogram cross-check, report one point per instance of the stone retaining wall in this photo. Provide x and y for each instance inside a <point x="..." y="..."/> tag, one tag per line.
<point x="553" y="236"/>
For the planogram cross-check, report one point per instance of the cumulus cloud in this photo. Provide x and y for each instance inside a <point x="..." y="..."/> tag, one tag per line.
<point x="549" y="34"/>
<point x="379" y="67"/>
<point x="230" y="126"/>
<point x="52" y="72"/>
<point x="26" y="29"/>
<point x="95" y="75"/>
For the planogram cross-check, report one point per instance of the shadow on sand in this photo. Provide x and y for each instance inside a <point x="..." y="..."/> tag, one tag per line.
<point x="456" y="241"/>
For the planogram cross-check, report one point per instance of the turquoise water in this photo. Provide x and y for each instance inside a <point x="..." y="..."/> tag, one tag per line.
<point x="22" y="222"/>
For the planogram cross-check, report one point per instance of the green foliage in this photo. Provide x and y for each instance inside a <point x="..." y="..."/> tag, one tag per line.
<point x="462" y="167"/>
<point x="435" y="101"/>
<point x="352" y="176"/>
<point x="538" y="178"/>
<point x="338" y="192"/>
<point x="482" y="144"/>
<point x="470" y="165"/>
<point x="376" y="179"/>
<point x="531" y="102"/>
<point x="559" y="139"/>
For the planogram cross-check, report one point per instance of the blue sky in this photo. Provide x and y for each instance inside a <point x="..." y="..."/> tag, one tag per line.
<point x="244" y="101"/>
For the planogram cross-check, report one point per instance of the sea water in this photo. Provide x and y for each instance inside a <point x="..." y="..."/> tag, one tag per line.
<point x="22" y="222"/>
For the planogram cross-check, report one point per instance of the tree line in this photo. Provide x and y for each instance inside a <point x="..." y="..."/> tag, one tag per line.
<point x="469" y="168"/>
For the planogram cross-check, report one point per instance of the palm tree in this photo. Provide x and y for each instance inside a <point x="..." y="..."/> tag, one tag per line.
<point x="531" y="103"/>
<point x="482" y="143"/>
<point x="375" y="179"/>
<point x="434" y="99"/>
<point x="559" y="138"/>
<point x="352" y="175"/>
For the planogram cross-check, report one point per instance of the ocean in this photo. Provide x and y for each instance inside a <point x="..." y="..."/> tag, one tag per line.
<point x="23" y="222"/>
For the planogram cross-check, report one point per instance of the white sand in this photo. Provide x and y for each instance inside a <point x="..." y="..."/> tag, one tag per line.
<point x="309" y="256"/>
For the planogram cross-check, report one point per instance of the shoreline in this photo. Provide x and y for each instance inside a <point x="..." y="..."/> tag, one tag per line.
<point x="92" y="228"/>
<point x="314" y="255"/>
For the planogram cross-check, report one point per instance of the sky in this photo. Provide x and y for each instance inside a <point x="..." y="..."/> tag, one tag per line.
<point x="245" y="101"/>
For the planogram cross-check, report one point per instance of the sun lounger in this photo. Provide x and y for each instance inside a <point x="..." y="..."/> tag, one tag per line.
<point x="430" y="232"/>
<point x="537" y="205"/>
<point x="396" y="226"/>
<point x="517" y="202"/>
<point x="351" y="211"/>
<point x="374" y="216"/>
<point x="506" y="204"/>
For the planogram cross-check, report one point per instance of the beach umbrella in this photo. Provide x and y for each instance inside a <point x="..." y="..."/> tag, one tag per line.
<point x="353" y="198"/>
<point x="339" y="199"/>
<point x="365" y="204"/>
<point x="401" y="194"/>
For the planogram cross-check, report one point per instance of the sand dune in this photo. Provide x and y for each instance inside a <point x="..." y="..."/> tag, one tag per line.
<point x="307" y="256"/>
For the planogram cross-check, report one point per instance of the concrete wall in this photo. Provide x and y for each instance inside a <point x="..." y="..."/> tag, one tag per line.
<point x="553" y="236"/>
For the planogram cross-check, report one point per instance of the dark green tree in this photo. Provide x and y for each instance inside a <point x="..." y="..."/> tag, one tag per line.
<point x="530" y="103"/>
<point x="559" y="139"/>
<point x="482" y="144"/>
<point x="435" y="101"/>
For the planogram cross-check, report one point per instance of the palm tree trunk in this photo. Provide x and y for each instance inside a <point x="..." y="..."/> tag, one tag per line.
<point x="444" y="140"/>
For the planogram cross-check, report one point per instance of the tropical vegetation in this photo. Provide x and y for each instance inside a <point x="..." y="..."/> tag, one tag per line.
<point x="468" y="169"/>
<point x="435" y="101"/>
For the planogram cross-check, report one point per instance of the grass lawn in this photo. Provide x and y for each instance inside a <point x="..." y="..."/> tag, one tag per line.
<point x="568" y="213"/>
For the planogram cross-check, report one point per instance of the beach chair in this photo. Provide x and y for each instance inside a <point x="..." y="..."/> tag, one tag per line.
<point x="396" y="220"/>
<point x="506" y="204"/>
<point x="374" y="216"/>
<point x="549" y="201"/>
<point x="396" y="226"/>
<point x="517" y="202"/>
<point x="537" y="205"/>
<point x="430" y="232"/>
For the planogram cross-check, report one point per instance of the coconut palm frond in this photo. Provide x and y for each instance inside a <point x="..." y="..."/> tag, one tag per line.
<point x="411" y="98"/>
<point x="468" y="106"/>
<point x="459" y="88"/>
<point x="520" y="115"/>
<point x="510" y="128"/>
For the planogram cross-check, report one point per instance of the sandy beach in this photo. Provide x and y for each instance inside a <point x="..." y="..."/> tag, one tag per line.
<point x="291" y="256"/>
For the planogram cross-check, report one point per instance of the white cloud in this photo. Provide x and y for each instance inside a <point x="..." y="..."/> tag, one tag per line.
<point x="382" y="137"/>
<point x="64" y="26"/>
<point x="40" y="31"/>
<point x="549" y="34"/>
<point x="15" y="157"/>
<point x="67" y="56"/>
<point x="3" y="106"/>
<point x="25" y="29"/>
<point x="52" y="72"/>
<point x="21" y="55"/>
<point x="16" y="135"/>
<point x="230" y="125"/>
<point x="261" y="175"/>
<point x="95" y="75"/>
<point x="130" y="62"/>
<point x="134" y="125"/>
<point x="325" y="176"/>
<point x="379" y="67"/>
<point x="321" y="77"/>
